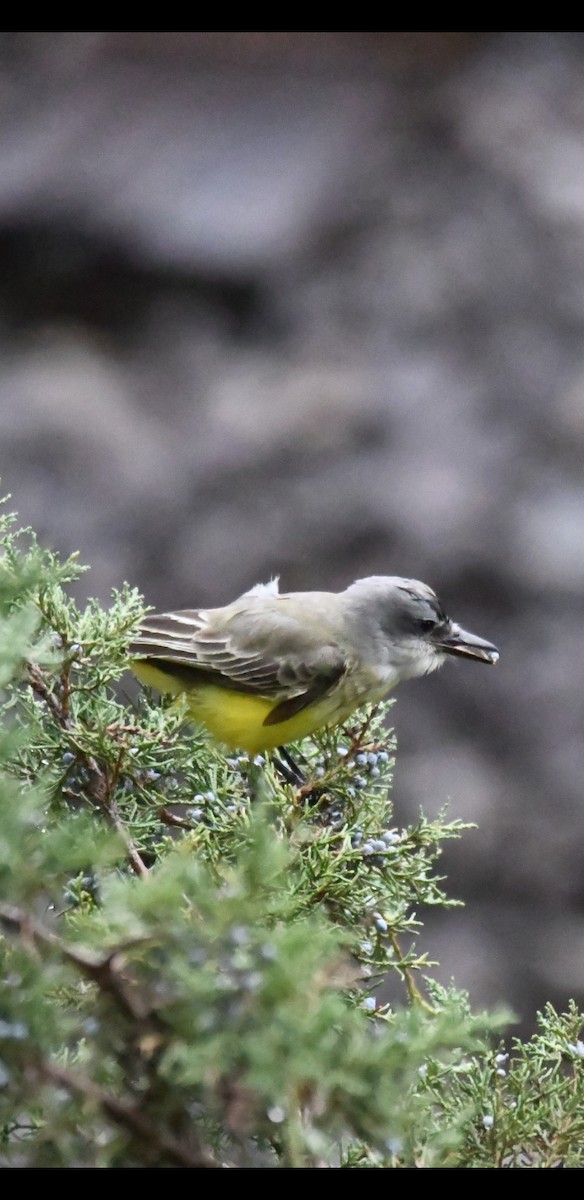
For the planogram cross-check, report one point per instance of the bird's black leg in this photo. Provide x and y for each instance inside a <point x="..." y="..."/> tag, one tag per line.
<point x="291" y="773"/>
<point x="288" y="768"/>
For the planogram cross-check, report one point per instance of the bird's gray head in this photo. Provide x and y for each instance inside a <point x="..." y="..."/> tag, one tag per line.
<point x="411" y="629"/>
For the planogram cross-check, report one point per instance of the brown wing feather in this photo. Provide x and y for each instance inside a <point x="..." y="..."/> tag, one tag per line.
<point x="191" y="644"/>
<point x="183" y="637"/>
<point x="295" y="704"/>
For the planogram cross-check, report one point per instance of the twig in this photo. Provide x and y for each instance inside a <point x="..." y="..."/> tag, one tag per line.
<point x="102" y="971"/>
<point x="105" y="974"/>
<point x="99" y="786"/>
<point x="169" y="818"/>
<point x="100" y="791"/>
<point x="41" y="689"/>
<point x="412" y="988"/>
<point x="357" y="738"/>
<point x="129" y="1117"/>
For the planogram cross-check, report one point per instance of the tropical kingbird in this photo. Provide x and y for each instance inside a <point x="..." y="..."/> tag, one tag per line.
<point x="272" y="667"/>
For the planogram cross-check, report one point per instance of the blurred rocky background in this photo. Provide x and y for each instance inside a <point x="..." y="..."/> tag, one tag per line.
<point x="312" y="303"/>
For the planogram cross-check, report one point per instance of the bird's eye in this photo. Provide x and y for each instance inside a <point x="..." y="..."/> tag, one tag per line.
<point x="427" y="625"/>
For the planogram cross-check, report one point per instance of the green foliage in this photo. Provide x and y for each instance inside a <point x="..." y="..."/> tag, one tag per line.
<point x="192" y="948"/>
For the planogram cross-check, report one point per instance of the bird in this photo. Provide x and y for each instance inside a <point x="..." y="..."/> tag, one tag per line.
<point x="273" y="667"/>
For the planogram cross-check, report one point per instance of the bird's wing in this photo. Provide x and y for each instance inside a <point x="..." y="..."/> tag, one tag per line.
<point x="194" y="643"/>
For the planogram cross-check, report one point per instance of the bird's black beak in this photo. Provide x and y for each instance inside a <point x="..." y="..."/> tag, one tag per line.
<point x="459" y="641"/>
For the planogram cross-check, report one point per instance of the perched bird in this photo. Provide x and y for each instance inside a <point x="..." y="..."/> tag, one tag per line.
<point x="272" y="667"/>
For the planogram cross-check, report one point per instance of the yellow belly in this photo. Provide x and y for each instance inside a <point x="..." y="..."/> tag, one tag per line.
<point x="237" y="719"/>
